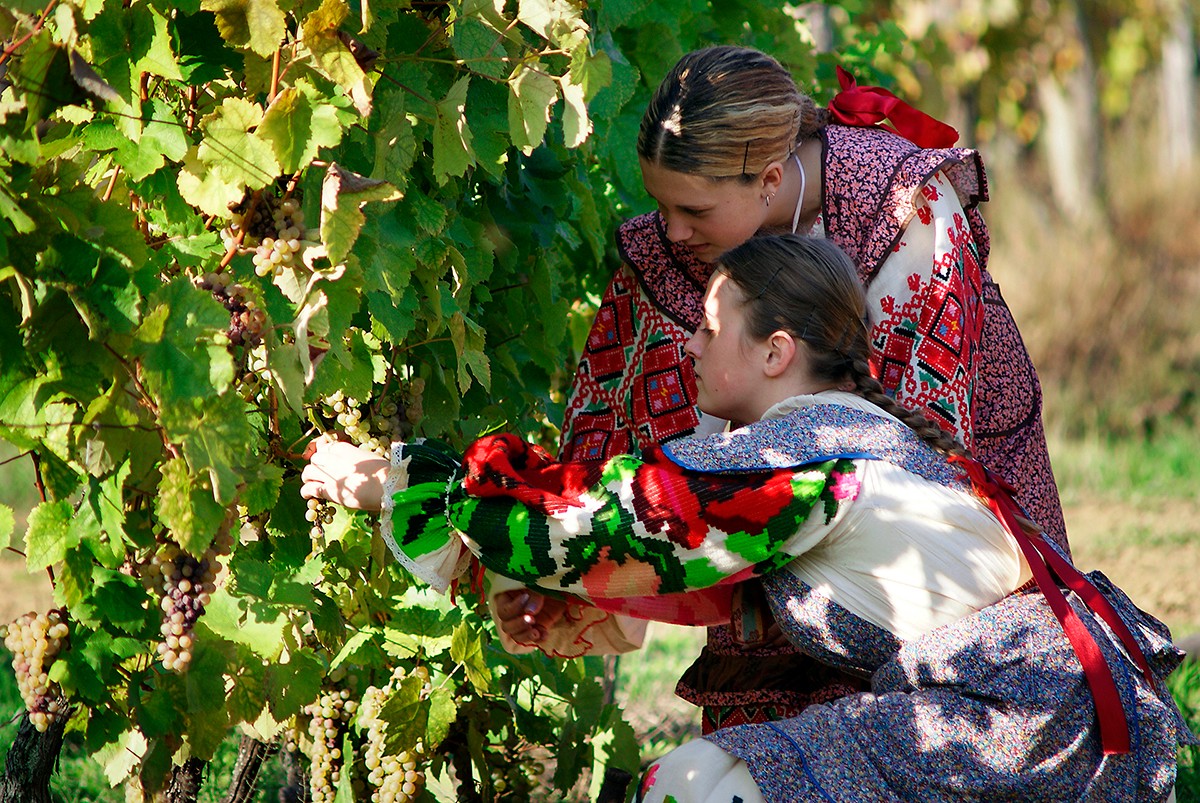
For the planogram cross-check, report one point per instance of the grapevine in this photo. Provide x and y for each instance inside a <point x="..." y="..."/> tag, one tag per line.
<point x="34" y="640"/>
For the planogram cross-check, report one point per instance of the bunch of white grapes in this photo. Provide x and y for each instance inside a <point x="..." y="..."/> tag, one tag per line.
<point x="398" y="777"/>
<point x="376" y="424"/>
<point x="187" y="587"/>
<point x="330" y="713"/>
<point x="34" y="640"/>
<point x="274" y="253"/>
<point x="319" y="513"/>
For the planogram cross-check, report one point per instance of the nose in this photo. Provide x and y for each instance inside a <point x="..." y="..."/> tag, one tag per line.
<point x="677" y="230"/>
<point x="692" y="347"/>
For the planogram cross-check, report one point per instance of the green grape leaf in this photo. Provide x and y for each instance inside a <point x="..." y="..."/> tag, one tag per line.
<point x="154" y="54"/>
<point x="531" y="94"/>
<point x="212" y="432"/>
<point x="576" y="125"/>
<point x="261" y="489"/>
<point x="181" y="342"/>
<point x="395" y="143"/>
<point x="257" y="627"/>
<point x="203" y="55"/>
<point x="572" y="750"/>
<point x="612" y="97"/>
<point x="117" y="599"/>
<point x="207" y="188"/>
<point x="187" y="509"/>
<point x="467" y="649"/>
<point x="553" y="19"/>
<point x="293" y="685"/>
<point x="590" y="70"/>
<point x="343" y="194"/>
<point x="406" y="716"/>
<point x="296" y="130"/>
<point x="442" y="711"/>
<point x="452" y="152"/>
<point x="103" y="500"/>
<point x="247" y="697"/>
<point x="481" y="47"/>
<point x="617" y="13"/>
<point x="232" y="147"/>
<point x="257" y="24"/>
<point x="320" y="34"/>
<point x="414" y="630"/>
<point x="49" y="534"/>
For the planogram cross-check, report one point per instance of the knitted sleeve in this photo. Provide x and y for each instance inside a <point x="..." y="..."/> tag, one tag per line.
<point x="623" y="529"/>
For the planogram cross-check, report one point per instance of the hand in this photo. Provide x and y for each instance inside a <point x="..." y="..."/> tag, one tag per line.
<point x="348" y="475"/>
<point x="526" y="616"/>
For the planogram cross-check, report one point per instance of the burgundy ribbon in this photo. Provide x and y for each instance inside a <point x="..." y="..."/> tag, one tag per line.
<point x="871" y="105"/>
<point x="1047" y="564"/>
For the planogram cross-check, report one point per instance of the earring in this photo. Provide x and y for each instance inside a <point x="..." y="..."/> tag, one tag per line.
<point x="768" y="198"/>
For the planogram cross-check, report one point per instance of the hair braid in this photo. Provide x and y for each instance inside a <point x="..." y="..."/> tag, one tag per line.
<point x="869" y="388"/>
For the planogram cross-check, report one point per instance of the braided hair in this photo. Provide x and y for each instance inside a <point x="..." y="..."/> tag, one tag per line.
<point x="809" y="288"/>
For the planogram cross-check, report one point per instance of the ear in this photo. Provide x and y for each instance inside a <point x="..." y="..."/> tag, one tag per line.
<point x="781" y="354"/>
<point x="772" y="178"/>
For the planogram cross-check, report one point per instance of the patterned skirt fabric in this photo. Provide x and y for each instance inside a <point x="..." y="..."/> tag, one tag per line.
<point x="993" y="707"/>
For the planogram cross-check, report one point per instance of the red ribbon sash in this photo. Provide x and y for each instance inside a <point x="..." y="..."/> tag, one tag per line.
<point x="1047" y="564"/>
<point x="871" y="105"/>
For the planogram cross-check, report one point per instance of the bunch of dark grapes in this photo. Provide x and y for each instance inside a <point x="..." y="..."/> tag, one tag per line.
<point x="330" y="714"/>
<point x="34" y="640"/>
<point x="394" y="777"/>
<point x="246" y="320"/>
<point x="187" y="587"/>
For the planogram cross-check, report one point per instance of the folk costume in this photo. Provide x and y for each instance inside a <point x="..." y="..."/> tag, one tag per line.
<point x="878" y="556"/>
<point x="943" y="341"/>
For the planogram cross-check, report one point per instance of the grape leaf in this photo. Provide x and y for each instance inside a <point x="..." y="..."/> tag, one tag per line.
<point x="452" y="152"/>
<point x="576" y="125"/>
<point x="296" y="131"/>
<point x="257" y="24"/>
<point x="186" y="508"/>
<point x="49" y="534"/>
<point x="531" y="94"/>
<point x="343" y="194"/>
<point x="467" y="649"/>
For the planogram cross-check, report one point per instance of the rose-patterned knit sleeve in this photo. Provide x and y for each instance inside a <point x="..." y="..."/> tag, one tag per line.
<point x="926" y="312"/>
<point x="623" y="529"/>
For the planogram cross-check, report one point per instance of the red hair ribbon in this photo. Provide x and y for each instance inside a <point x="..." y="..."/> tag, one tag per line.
<point x="1047" y="564"/>
<point x="871" y="105"/>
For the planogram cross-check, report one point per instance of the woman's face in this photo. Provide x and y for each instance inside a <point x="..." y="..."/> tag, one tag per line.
<point x="707" y="216"/>
<point x="728" y="373"/>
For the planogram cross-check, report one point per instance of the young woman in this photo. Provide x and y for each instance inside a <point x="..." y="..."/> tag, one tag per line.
<point x="882" y="550"/>
<point x="729" y="148"/>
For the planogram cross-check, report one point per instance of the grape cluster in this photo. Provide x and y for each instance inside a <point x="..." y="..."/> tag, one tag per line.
<point x="246" y="320"/>
<point x="395" y="778"/>
<point x="377" y="423"/>
<point x="319" y="514"/>
<point x="330" y="713"/>
<point x="187" y="587"/>
<point x="34" y="640"/>
<point x="274" y="253"/>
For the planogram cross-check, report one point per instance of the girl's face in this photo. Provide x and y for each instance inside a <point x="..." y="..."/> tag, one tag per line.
<point x="728" y="363"/>
<point x="707" y="216"/>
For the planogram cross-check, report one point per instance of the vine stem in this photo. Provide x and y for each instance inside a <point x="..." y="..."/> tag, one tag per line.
<point x="8" y="51"/>
<point x="274" y="77"/>
<point x="241" y="235"/>
<point x="112" y="182"/>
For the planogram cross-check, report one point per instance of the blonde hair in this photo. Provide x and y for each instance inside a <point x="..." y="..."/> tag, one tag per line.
<point x="809" y="288"/>
<point x="726" y="112"/>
